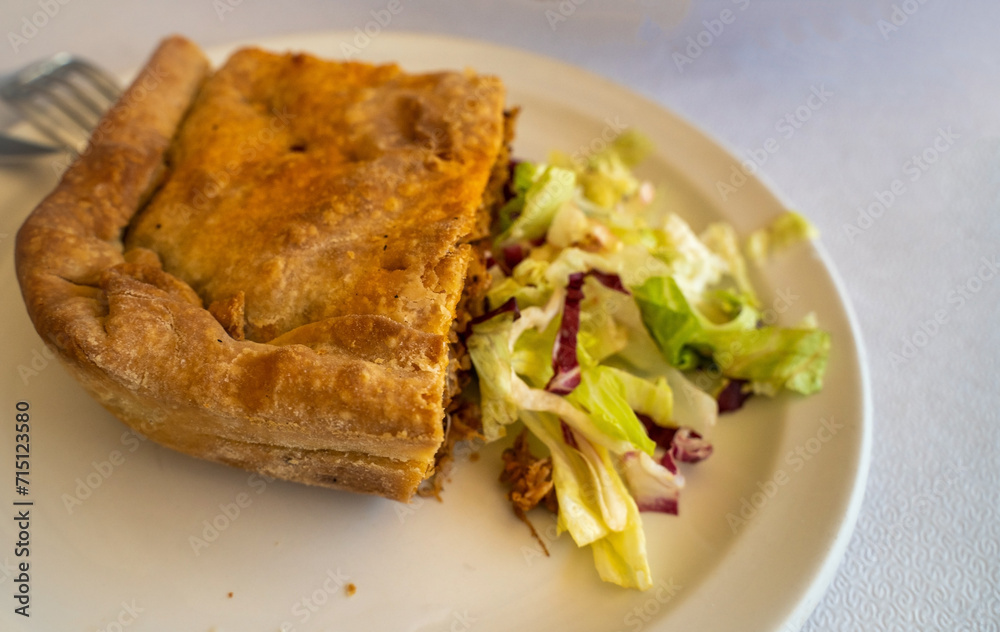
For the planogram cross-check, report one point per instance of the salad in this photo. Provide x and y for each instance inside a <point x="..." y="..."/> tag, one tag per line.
<point x="615" y="335"/>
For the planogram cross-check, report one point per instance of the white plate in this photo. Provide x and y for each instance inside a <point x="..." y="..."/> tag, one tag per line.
<point x="113" y="519"/>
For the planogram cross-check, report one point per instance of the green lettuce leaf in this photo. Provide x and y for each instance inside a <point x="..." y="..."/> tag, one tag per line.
<point x="790" y="228"/>
<point x="620" y="556"/>
<point x="528" y="284"/>
<point x="550" y="188"/>
<point x="721" y="239"/>
<point x="532" y="356"/>
<point x="600" y="334"/>
<point x="489" y="348"/>
<point x="603" y="394"/>
<point x="669" y="319"/>
<point x="595" y="506"/>
<point x="607" y="176"/>
<point x="651" y="398"/>
<point x="584" y="509"/>
<point x="771" y="357"/>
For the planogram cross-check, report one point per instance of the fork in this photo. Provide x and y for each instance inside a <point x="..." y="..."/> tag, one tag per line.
<point x="63" y="96"/>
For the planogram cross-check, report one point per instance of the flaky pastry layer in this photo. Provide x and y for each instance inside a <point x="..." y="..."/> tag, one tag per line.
<point x="260" y="266"/>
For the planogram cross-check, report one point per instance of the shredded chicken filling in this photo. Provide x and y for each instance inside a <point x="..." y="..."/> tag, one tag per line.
<point x="462" y="417"/>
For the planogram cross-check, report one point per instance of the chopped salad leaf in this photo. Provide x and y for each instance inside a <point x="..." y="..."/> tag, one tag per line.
<point x="610" y="315"/>
<point x="788" y="229"/>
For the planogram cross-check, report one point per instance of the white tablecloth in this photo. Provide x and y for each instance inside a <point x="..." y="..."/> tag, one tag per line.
<point x="880" y="120"/>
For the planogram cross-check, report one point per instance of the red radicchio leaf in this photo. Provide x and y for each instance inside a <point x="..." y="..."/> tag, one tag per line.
<point x="509" y="306"/>
<point x="564" y="360"/>
<point x="610" y="281"/>
<point x="565" y="364"/>
<point x="568" y="435"/>
<point x="651" y="491"/>
<point x="689" y="447"/>
<point x="661" y="436"/>
<point x="681" y="444"/>
<point x="661" y="504"/>
<point x="513" y="254"/>
<point x="733" y="396"/>
<point x="516" y="252"/>
<point x="668" y="462"/>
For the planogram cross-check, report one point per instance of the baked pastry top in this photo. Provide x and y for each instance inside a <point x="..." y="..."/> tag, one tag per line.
<point x="261" y="266"/>
<point x="320" y="189"/>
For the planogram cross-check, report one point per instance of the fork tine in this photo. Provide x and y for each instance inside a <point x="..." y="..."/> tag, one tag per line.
<point x="58" y="132"/>
<point x="68" y="109"/>
<point x="63" y="96"/>
<point x="101" y="80"/>
<point x="79" y="95"/>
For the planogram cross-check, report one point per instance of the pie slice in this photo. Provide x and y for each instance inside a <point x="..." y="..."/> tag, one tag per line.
<point x="266" y="265"/>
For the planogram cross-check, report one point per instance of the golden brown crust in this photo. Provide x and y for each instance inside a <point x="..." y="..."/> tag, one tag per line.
<point x="338" y="252"/>
<point x="230" y="312"/>
<point x="322" y="189"/>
